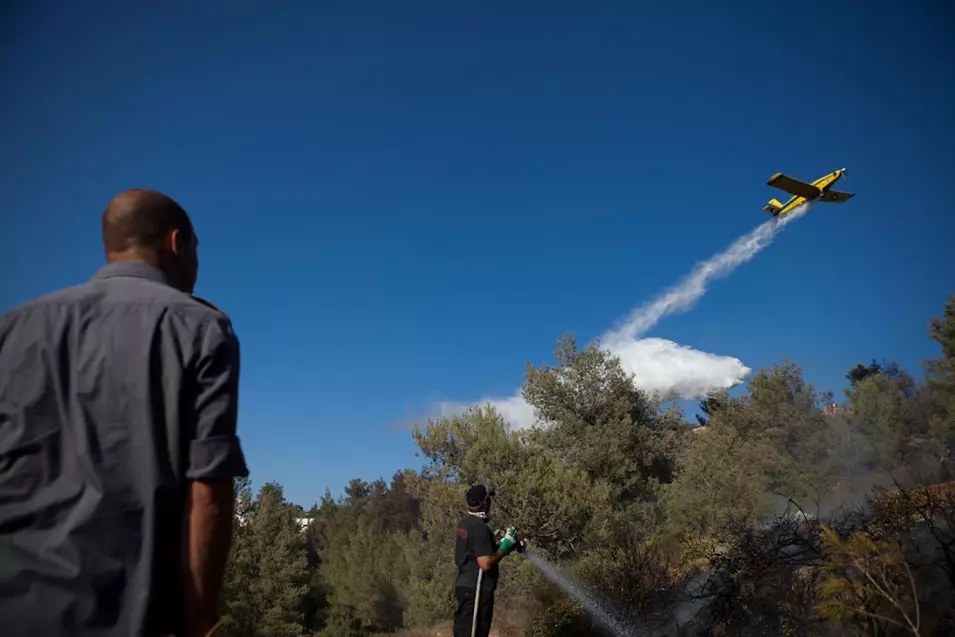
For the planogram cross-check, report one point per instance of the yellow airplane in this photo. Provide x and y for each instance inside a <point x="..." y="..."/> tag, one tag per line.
<point x="802" y="192"/>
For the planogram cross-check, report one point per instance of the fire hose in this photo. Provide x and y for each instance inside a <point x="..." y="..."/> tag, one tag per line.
<point x="477" y="601"/>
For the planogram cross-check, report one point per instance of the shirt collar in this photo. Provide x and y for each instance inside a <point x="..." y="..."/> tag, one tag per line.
<point x="130" y="269"/>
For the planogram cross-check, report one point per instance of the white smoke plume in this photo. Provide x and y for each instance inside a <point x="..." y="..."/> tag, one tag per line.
<point x="658" y="365"/>
<point x="676" y="371"/>
<point x="687" y="292"/>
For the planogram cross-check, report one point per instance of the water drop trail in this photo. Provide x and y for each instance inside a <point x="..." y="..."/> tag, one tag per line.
<point x="611" y="621"/>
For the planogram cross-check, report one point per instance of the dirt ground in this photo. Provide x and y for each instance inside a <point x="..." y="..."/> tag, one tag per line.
<point x="510" y="620"/>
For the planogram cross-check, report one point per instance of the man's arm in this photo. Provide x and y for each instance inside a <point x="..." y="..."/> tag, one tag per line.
<point x="209" y="509"/>
<point x="486" y="550"/>
<point x="508" y="544"/>
<point x="215" y="458"/>
<point x="485" y="562"/>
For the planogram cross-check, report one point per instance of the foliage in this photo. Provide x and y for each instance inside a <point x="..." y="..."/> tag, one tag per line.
<point x="940" y="373"/>
<point x="561" y="618"/>
<point x="923" y="518"/>
<point x="890" y="370"/>
<point x="868" y="581"/>
<point x="267" y="582"/>
<point x="537" y="489"/>
<point x="722" y="473"/>
<point x="710" y="405"/>
<point x="362" y="536"/>
<point x="756" y="453"/>
<point x="597" y="420"/>
<point x="784" y="515"/>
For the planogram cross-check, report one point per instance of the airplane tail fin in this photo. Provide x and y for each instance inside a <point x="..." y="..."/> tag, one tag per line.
<point x="773" y="206"/>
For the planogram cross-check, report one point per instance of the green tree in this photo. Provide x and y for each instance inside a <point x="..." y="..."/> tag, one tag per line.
<point x="538" y="490"/>
<point x="786" y="408"/>
<point x="723" y="474"/>
<point x="596" y="419"/>
<point x="238" y="604"/>
<point x="757" y="452"/>
<point x="357" y="493"/>
<point x="940" y="373"/>
<point x="283" y="570"/>
<point x="363" y="540"/>
<point x="268" y="577"/>
<point x="867" y="581"/>
<point x="879" y="413"/>
<point x="893" y="414"/>
<point x="710" y="405"/>
<point x="861" y="372"/>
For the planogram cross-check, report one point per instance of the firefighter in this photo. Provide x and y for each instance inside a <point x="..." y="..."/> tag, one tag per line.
<point x="477" y="555"/>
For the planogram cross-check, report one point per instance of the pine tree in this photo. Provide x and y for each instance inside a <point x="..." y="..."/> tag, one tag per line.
<point x="940" y="373"/>
<point x="268" y="575"/>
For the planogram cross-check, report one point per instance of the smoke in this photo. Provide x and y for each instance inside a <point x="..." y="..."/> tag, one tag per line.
<point x="659" y="365"/>
<point x="514" y="410"/>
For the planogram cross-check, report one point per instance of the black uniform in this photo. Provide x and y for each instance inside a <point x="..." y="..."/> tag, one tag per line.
<point x="475" y="539"/>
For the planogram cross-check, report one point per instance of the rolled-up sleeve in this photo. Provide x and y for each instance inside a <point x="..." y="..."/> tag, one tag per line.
<point x="215" y="451"/>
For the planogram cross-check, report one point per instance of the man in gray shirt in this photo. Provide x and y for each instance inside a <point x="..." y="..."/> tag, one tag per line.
<point x="118" y="445"/>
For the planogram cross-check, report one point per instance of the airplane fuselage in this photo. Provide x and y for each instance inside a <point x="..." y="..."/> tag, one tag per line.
<point x="823" y="184"/>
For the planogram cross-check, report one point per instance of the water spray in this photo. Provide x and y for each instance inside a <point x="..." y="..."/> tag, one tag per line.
<point x="608" y="618"/>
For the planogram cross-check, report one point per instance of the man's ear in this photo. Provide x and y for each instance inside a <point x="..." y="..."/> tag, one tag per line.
<point x="174" y="241"/>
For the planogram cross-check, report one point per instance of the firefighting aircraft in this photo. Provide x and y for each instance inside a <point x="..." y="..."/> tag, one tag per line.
<point x="802" y="192"/>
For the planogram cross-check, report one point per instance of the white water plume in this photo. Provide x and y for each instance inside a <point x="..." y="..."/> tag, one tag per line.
<point x="659" y="365"/>
<point x="687" y="292"/>
<point x="611" y="621"/>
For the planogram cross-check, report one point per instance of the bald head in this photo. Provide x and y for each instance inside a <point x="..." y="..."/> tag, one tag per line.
<point x="149" y="227"/>
<point x="141" y="219"/>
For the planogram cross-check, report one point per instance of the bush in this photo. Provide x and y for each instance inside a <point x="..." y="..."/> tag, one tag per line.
<point x="561" y="618"/>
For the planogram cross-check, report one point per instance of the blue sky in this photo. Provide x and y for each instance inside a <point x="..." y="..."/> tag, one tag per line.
<point x="402" y="202"/>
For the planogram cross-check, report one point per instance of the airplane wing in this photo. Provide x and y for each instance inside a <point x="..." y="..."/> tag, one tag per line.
<point x="835" y="196"/>
<point x="792" y="186"/>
